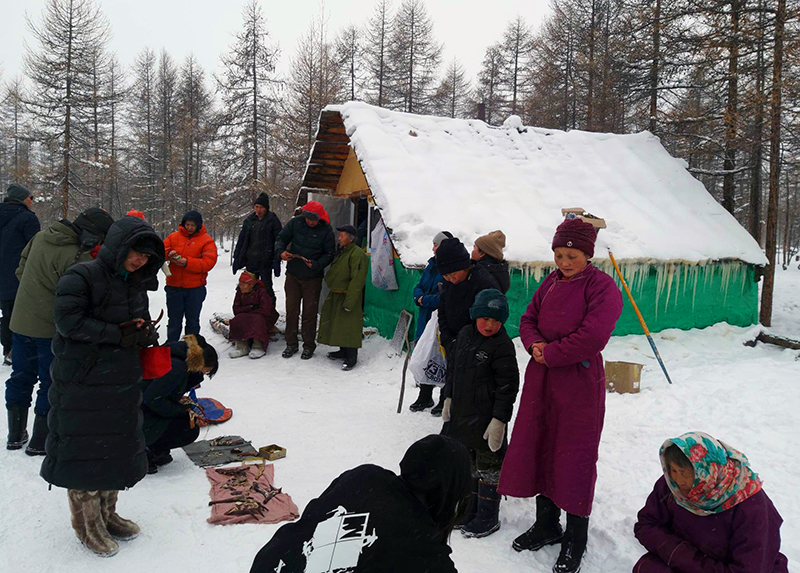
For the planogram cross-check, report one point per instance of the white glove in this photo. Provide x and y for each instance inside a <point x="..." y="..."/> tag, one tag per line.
<point x="446" y="409"/>
<point x="494" y="434"/>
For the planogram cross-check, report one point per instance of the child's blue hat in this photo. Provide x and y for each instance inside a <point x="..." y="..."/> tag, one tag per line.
<point x="490" y="303"/>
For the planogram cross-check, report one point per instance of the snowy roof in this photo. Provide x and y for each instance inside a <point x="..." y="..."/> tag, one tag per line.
<point x="431" y="173"/>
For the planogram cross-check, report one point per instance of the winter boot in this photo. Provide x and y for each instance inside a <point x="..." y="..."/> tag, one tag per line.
<point x="573" y="545"/>
<point x="289" y="351"/>
<point x="152" y="468"/>
<point x="306" y="354"/>
<point x="473" y="504"/>
<point x="424" y="400"/>
<point x="241" y="349"/>
<point x="258" y="350"/>
<point x="88" y="523"/>
<point x="436" y="411"/>
<point x="36" y="445"/>
<point x="17" y="427"/>
<point x="340" y="354"/>
<point x="7" y="358"/>
<point x="486" y="519"/>
<point x="547" y="529"/>
<point x="350" y="358"/>
<point x="116" y="526"/>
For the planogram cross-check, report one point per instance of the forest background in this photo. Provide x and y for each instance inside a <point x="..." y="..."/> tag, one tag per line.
<point x="717" y="80"/>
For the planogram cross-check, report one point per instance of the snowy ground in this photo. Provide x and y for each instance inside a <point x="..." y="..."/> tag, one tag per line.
<point x="331" y="421"/>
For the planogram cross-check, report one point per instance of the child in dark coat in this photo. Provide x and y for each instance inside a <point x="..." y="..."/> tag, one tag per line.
<point x="254" y="315"/>
<point x="708" y="512"/>
<point x="481" y="387"/>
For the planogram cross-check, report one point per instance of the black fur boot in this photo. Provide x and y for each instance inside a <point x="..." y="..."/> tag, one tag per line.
<point x="17" y="427"/>
<point x="40" y="431"/>
<point x="573" y="545"/>
<point x="486" y="519"/>
<point x="545" y="531"/>
<point x="424" y="400"/>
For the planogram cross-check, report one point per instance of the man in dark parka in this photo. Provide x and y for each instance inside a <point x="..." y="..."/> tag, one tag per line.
<point x="96" y="444"/>
<point x="255" y="247"/>
<point x="18" y="225"/>
<point x="308" y="244"/>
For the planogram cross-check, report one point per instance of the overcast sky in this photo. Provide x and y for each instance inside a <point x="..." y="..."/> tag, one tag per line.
<point x="205" y="27"/>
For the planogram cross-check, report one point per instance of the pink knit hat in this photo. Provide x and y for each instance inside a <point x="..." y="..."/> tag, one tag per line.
<point x="576" y="234"/>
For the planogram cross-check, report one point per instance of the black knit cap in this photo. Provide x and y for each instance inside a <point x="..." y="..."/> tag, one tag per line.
<point x="451" y="256"/>
<point x="193" y="216"/>
<point x="489" y="303"/>
<point x="349" y="229"/>
<point x="263" y="200"/>
<point x="94" y="220"/>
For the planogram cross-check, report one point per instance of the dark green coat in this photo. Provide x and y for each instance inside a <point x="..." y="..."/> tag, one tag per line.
<point x="44" y="260"/>
<point x="342" y="317"/>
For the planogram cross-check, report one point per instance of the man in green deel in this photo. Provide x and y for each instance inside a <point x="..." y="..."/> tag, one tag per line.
<point x="343" y="313"/>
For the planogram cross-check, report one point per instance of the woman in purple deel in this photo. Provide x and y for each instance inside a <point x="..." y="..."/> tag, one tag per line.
<point x="708" y="513"/>
<point x="553" y="448"/>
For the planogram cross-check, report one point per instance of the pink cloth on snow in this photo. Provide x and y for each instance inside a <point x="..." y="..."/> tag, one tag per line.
<point x="278" y="508"/>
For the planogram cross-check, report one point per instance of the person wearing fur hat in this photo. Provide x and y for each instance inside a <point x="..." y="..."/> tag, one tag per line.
<point x="463" y="280"/>
<point x="254" y="315"/>
<point x="167" y="422"/>
<point x="426" y="297"/>
<point x="255" y="247"/>
<point x="191" y="253"/>
<point x="42" y="263"/>
<point x="554" y="446"/>
<point x="488" y="253"/>
<point x="96" y="444"/>
<point x="308" y="246"/>
<point x="708" y="512"/>
<point x="18" y="225"/>
<point x="370" y="520"/>
<point x="480" y="390"/>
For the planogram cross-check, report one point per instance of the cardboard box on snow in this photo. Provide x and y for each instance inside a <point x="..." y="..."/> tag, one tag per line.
<point x="623" y="377"/>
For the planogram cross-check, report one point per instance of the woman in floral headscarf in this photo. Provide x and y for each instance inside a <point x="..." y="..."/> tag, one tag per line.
<point x="708" y="513"/>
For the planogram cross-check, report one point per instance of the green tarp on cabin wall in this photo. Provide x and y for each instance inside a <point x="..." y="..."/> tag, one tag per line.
<point x="671" y="295"/>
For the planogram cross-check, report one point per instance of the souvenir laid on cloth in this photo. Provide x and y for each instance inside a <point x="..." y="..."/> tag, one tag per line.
<point x="222" y="450"/>
<point x="245" y="494"/>
<point x="221" y="323"/>
<point x="428" y="364"/>
<point x="206" y="410"/>
<point x="382" y="257"/>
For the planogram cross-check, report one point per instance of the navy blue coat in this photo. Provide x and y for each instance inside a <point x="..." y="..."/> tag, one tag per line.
<point x="428" y="289"/>
<point x="18" y="225"/>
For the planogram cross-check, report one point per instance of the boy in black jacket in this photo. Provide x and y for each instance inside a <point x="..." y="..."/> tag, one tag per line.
<point x="481" y="387"/>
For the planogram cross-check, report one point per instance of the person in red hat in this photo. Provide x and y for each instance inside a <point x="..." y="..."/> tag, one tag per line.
<point x="307" y="244"/>
<point x="553" y="449"/>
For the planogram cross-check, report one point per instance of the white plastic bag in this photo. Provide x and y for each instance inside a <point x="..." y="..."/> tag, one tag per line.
<point x="428" y="364"/>
<point x="383" y="275"/>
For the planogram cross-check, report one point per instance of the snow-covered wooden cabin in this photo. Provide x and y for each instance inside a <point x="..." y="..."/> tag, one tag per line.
<point x="688" y="261"/>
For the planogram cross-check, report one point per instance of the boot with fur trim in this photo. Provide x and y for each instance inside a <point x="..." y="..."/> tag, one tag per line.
<point x="239" y="350"/>
<point x="116" y="526"/>
<point x="258" y="349"/>
<point x="88" y="523"/>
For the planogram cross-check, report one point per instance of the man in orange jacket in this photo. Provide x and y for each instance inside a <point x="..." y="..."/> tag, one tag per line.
<point x="191" y="253"/>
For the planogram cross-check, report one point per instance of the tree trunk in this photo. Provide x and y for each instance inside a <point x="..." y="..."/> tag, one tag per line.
<point x="654" y="67"/>
<point x="731" y="113"/>
<point x="758" y="135"/>
<point x="774" y="165"/>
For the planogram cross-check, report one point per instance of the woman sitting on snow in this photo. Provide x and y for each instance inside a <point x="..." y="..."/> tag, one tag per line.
<point x="167" y="423"/>
<point x="708" y="513"/>
<point x="254" y="316"/>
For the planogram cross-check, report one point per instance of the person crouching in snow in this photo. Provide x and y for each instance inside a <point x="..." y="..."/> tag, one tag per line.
<point x="95" y="446"/>
<point x="254" y="316"/>
<point x="168" y="423"/>
<point x="708" y="512"/>
<point x="342" y="317"/>
<point x="370" y="520"/>
<point x="481" y="387"/>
